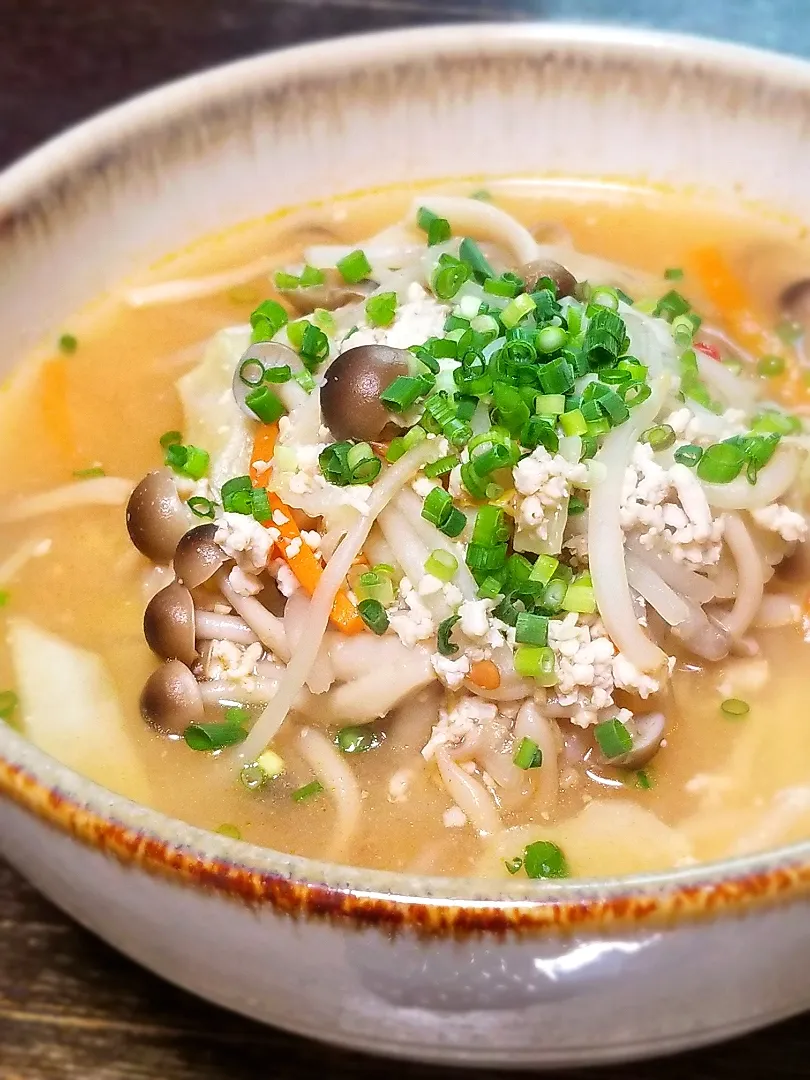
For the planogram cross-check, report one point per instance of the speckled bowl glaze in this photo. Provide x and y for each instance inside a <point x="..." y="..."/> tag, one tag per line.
<point x="458" y="971"/>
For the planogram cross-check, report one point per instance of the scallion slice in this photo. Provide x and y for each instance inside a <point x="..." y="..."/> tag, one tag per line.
<point x="441" y="564"/>
<point x="437" y="228"/>
<point x="373" y="615"/>
<point x="381" y="309"/>
<point x="358" y="740"/>
<point x="613" y="737"/>
<point x="528" y="755"/>
<point x="200" y="507"/>
<point x="735" y="708"/>
<point x="354" y="267"/>
<point x="543" y="859"/>
<point x="314" y="787"/>
<point x="443" y="643"/>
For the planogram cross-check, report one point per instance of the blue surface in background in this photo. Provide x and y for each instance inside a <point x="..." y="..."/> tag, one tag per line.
<point x="771" y="24"/>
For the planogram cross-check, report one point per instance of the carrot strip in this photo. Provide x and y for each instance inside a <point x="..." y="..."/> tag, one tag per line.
<point x="485" y="674"/>
<point x="728" y="295"/>
<point x="302" y="560"/>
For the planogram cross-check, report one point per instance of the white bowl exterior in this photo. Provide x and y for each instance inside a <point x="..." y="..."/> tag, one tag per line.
<point x="328" y="119"/>
<point x="537" y="1000"/>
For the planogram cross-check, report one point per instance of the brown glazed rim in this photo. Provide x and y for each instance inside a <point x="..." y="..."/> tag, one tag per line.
<point x="143" y="839"/>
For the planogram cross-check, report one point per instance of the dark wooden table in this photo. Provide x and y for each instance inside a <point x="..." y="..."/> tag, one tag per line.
<point x="71" y="1008"/>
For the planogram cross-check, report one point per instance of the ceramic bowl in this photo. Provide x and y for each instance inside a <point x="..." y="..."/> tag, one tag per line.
<point x="446" y="970"/>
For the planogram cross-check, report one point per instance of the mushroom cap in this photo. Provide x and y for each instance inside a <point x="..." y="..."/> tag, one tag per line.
<point x="332" y="293"/>
<point x="350" y="396"/>
<point x="168" y="624"/>
<point x="647" y="731"/>
<point x="156" y="518"/>
<point x="547" y="268"/>
<point x="171" y="698"/>
<point x="198" y="556"/>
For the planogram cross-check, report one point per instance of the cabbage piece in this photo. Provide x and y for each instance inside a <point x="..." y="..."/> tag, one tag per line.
<point x="70" y="709"/>
<point x="213" y="420"/>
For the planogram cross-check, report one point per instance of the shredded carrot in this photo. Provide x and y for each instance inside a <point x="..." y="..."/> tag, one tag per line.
<point x="302" y="562"/>
<point x="264" y="445"/>
<point x="727" y="293"/>
<point x="485" y="674"/>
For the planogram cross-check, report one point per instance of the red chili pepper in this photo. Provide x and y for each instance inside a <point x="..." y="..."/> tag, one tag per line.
<point x="709" y="350"/>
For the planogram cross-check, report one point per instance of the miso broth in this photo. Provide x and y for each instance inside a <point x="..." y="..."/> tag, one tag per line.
<point x="731" y="772"/>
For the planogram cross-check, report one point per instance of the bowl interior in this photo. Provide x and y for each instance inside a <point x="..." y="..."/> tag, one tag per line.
<point x="153" y="175"/>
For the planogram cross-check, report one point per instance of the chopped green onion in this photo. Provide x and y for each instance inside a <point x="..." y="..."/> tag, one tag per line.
<point x="265" y="404"/>
<point x="470" y="253"/>
<point x="267" y="319"/>
<point x="354" y="267"/>
<point x="575" y="506"/>
<point x="517" y="309"/>
<point x="779" y="423"/>
<point x="441" y="564"/>
<point x="170" y="438"/>
<point x="605" y="297"/>
<point x="673" y="273"/>
<point x="671" y="305"/>
<point x="491" y="526"/>
<point x="437" y="228"/>
<point x="720" y="463"/>
<point x="580" y="596"/>
<point x="305" y="381"/>
<point x="68" y="344"/>
<point x="362" y="464"/>
<point x="613" y="737"/>
<point x="189" y="460"/>
<point x="735" y="708"/>
<point x="544" y="569"/>
<point x="514" y="866"/>
<point x="281" y="374"/>
<point x="5" y="596"/>
<point x="251" y="372"/>
<point x="507" y="285"/>
<point x="252" y="776"/>
<point x="573" y="422"/>
<point x="232" y="832"/>
<point x="438" y="509"/>
<point x="373" y="585"/>
<point x="448" y="278"/>
<point x="271" y="764"/>
<point x="214" y="736"/>
<point x="550" y="404"/>
<point x="358" y="740"/>
<point x="543" y="859"/>
<point x="689" y="455"/>
<point x="644" y="780"/>
<point x="660" y="437"/>
<point x="314" y="787"/>
<point x="635" y="393"/>
<point x="531" y="629"/>
<point x="260" y="505"/>
<point x="402" y="392"/>
<point x="528" y="755"/>
<point x="485" y="557"/>
<point x="771" y="366"/>
<point x="381" y="309"/>
<point x="89" y="474"/>
<point x="8" y="703"/>
<point x="536" y="662"/>
<point x="443" y="643"/>
<point x="373" y="615"/>
<point x="200" y="507"/>
<point x="441" y="467"/>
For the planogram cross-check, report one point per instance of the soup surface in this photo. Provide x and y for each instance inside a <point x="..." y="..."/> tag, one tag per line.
<point x="573" y="641"/>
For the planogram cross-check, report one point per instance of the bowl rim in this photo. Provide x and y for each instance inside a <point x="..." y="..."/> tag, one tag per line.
<point x="138" y="836"/>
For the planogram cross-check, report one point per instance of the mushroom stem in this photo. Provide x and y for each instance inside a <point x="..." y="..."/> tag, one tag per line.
<point x="268" y="629"/>
<point x="211" y="626"/>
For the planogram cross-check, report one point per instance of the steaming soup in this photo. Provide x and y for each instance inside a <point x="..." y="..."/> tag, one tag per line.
<point x="469" y="538"/>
